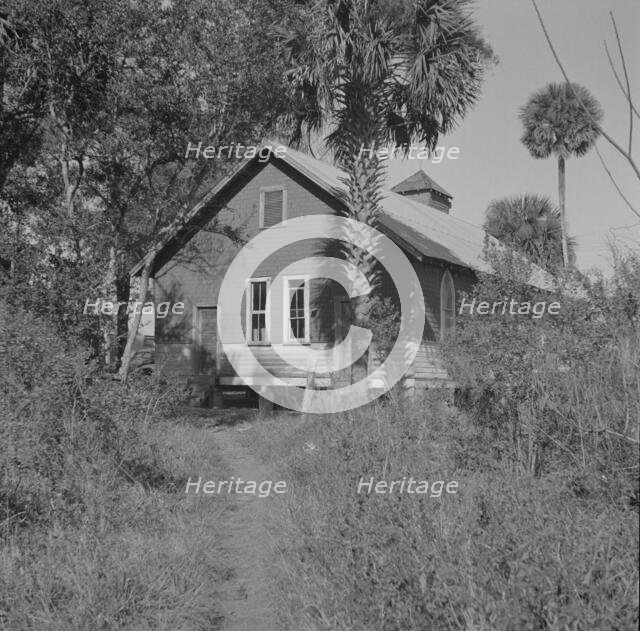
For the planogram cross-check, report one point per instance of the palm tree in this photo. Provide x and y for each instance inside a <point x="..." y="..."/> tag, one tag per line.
<point x="379" y="72"/>
<point x="562" y="119"/>
<point x="375" y="73"/>
<point x="530" y="224"/>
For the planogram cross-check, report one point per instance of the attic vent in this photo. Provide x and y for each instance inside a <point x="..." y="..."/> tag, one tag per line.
<point x="422" y="189"/>
<point x="272" y="207"/>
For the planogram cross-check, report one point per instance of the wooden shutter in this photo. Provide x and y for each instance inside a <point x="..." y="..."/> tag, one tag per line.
<point x="273" y="207"/>
<point x="447" y="305"/>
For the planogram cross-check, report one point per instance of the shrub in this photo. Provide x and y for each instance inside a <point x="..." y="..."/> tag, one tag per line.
<point x="63" y="424"/>
<point x="561" y="390"/>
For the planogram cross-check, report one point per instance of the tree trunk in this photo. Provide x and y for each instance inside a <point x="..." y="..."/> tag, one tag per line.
<point x="133" y="331"/>
<point x="123" y="294"/>
<point x="563" y="221"/>
<point x="108" y="325"/>
<point x="365" y="177"/>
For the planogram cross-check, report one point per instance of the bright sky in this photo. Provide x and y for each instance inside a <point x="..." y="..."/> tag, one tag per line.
<point x="493" y="163"/>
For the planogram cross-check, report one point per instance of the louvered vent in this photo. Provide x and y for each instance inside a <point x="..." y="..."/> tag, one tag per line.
<point x="273" y="207"/>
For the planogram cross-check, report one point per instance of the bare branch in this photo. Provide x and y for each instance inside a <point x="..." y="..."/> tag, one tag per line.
<point x="605" y="135"/>
<point x="617" y="76"/>
<point x="604" y="165"/>
<point x="626" y="77"/>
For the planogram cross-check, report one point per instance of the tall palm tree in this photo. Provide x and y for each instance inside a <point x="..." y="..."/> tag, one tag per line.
<point x="562" y="119"/>
<point x="530" y="224"/>
<point x="375" y="73"/>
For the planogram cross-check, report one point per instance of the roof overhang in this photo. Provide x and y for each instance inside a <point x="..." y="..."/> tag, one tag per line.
<point x="423" y="248"/>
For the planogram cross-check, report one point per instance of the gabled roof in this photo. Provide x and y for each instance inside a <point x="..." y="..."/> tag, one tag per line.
<point x="418" y="182"/>
<point x="426" y="231"/>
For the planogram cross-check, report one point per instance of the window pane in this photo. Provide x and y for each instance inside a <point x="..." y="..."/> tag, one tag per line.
<point x="297" y="324"/>
<point x="448" y="294"/>
<point x="448" y="304"/>
<point x="447" y="320"/>
<point x="255" y="295"/>
<point x="297" y="329"/>
<point x="259" y="296"/>
<point x="258" y="327"/>
<point x="263" y="327"/>
<point x="257" y="310"/>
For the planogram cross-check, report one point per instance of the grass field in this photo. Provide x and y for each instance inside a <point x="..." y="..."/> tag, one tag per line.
<point x="508" y="551"/>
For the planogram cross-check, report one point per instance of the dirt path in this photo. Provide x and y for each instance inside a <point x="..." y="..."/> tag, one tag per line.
<point x="245" y="543"/>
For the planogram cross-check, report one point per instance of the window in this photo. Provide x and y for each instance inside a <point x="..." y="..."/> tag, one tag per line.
<point x="447" y="305"/>
<point x="257" y="310"/>
<point x="296" y="310"/>
<point x="273" y="206"/>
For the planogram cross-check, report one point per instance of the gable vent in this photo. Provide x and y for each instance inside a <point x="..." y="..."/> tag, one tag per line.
<point x="273" y="207"/>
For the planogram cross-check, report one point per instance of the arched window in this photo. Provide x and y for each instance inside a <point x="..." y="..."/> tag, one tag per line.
<point x="447" y="305"/>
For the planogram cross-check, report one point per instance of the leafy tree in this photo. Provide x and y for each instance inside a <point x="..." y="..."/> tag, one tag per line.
<point x="561" y="119"/>
<point x="22" y="95"/>
<point x="126" y="87"/>
<point x="531" y="224"/>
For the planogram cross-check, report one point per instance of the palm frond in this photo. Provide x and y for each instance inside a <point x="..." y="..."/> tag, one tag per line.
<point x="530" y="224"/>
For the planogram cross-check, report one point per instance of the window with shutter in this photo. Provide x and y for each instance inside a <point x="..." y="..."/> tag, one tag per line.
<point x="447" y="305"/>
<point x="272" y="207"/>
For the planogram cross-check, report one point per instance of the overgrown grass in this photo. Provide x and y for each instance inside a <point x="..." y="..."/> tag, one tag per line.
<point x="96" y="531"/>
<point x="136" y="557"/>
<point x="543" y="533"/>
<point x="508" y="551"/>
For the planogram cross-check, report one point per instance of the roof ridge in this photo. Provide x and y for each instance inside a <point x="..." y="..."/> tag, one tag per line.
<point x="416" y="223"/>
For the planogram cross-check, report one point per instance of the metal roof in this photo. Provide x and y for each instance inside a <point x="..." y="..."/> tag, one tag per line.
<point x="418" y="182"/>
<point x="430" y="232"/>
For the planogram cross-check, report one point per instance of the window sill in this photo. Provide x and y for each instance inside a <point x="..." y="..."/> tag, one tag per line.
<point x="275" y="225"/>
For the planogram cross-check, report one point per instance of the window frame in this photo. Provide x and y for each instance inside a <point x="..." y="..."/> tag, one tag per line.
<point x="447" y="283"/>
<point x="271" y="189"/>
<point x="287" y="337"/>
<point x="249" y="312"/>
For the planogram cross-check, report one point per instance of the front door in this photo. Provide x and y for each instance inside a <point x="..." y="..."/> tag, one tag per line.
<point x="206" y="341"/>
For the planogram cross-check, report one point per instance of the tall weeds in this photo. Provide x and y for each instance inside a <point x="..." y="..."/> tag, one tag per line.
<point x="543" y="532"/>
<point x="94" y="532"/>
